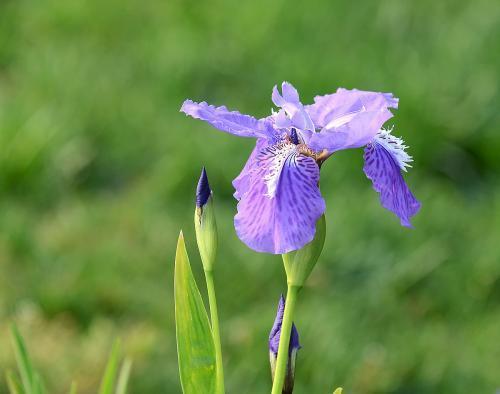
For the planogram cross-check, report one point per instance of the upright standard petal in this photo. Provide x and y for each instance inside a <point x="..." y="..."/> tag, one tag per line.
<point x="385" y="158"/>
<point x="282" y="202"/>
<point x="231" y="122"/>
<point x="349" y="118"/>
<point x="291" y="105"/>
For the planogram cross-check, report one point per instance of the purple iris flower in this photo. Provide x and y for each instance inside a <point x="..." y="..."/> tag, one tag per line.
<point x="278" y="189"/>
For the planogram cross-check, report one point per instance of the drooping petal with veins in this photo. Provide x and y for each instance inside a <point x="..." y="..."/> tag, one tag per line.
<point x="385" y="158"/>
<point x="279" y="210"/>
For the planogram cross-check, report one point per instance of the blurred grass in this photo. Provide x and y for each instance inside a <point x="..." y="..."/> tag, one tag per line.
<point x="98" y="171"/>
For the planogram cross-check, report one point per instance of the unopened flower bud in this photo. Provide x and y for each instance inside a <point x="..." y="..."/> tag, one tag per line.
<point x="293" y="347"/>
<point x="204" y="222"/>
<point x="299" y="263"/>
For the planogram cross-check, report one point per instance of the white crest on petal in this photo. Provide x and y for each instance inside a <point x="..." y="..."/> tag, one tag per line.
<point x="275" y="156"/>
<point x="395" y="146"/>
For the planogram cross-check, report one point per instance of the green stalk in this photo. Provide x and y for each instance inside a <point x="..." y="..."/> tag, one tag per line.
<point x="286" y="328"/>
<point x="214" y="317"/>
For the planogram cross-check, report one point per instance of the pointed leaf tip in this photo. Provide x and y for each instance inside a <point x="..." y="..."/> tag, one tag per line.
<point x="110" y="373"/>
<point x="23" y="360"/>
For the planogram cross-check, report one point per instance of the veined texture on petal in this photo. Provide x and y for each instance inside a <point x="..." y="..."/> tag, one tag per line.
<point x="242" y="182"/>
<point x="282" y="202"/>
<point x="384" y="162"/>
<point x="231" y="122"/>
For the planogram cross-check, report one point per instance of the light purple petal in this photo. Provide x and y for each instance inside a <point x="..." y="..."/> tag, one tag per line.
<point x="292" y="106"/>
<point x="282" y="121"/>
<point x="290" y="94"/>
<point x="357" y="132"/>
<point x="331" y="107"/>
<point x="383" y="169"/>
<point x="242" y="182"/>
<point x="276" y="97"/>
<point x="282" y="202"/>
<point x="229" y="121"/>
<point x="349" y="118"/>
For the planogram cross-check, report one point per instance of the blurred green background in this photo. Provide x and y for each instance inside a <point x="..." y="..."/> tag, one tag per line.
<point x="98" y="170"/>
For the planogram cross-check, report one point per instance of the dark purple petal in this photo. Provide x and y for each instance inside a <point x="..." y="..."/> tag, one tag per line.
<point x="349" y="118"/>
<point x="203" y="190"/>
<point x="383" y="169"/>
<point x="282" y="202"/>
<point x="229" y="121"/>
<point x="274" y="335"/>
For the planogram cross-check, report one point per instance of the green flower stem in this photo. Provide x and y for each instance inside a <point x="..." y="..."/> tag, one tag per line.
<point x="286" y="328"/>
<point x="214" y="317"/>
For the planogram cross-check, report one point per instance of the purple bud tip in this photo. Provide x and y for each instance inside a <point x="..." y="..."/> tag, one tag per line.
<point x="203" y="190"/>
<point x="274" y="335"/>
<point x="293" y="136"/>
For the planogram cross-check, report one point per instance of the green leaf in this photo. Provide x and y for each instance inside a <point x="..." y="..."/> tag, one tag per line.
<point x="109" y="378"/>
<point x="72" y="389"/>
<point x="121" y="387"/>
<point x="195" y="345"/>
<point x="23" y="361"/>
<point x="38" y="387"/>
<point x="13" y="383"/>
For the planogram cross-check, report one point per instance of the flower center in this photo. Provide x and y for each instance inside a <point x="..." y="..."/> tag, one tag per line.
<point x="303" y="149"/>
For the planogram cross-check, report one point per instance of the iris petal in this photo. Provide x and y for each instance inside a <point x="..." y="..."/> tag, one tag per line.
<point x="343" y="102"/>
<point x="231" y="122"/>
<point x="290" y="103"/>
<point x="349" y="118"/>
<point x="242" y="182"/>
<point x="384" y="170"/>
<point x="282" y="202"/>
